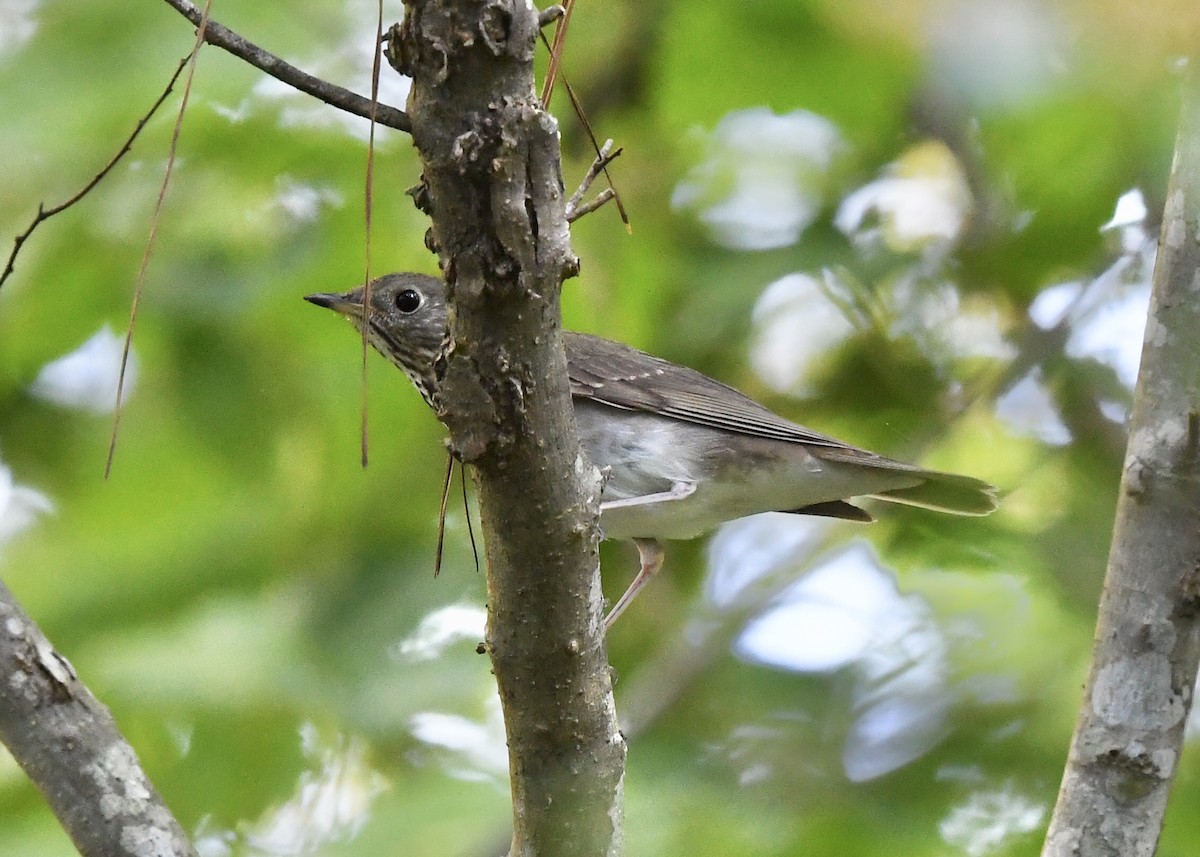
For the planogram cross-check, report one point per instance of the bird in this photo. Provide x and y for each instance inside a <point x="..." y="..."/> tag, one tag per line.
<point x="682" y="452"/>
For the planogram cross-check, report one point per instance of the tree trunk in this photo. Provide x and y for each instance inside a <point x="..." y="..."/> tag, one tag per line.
<point x="1129" y="736"/>
<point x="493" y="188"/>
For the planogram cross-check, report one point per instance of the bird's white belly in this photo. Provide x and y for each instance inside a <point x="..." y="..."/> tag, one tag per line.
<point x="649" y="454"/>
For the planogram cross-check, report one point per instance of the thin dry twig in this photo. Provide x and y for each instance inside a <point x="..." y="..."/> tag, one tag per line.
<point x="44" y="213"/>
<point x="369" y="184"/>
<point x="462" y="480"/>
<point x="441" y="533"/>
<point x="588" y="207"/>
<point x="556" y="52"/>
<point x="587" y="127"/>
<point x="336" y="96"/>
<point x="604" y="157"/>
<point x="154" y="221"/>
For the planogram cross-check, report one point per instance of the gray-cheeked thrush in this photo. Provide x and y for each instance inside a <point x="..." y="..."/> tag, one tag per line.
<point x="683" y="452"/>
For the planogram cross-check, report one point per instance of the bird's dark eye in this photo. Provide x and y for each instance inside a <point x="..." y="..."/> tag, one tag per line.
<point x="408" y="301"/>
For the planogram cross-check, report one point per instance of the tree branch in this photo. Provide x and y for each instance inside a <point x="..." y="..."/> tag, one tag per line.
<point x="1129" y="736"/>
<point x="493" y="187"/>
<point x="69" y="746"/>
<point x="44" y="213"/>
<point x="331" y="94"/>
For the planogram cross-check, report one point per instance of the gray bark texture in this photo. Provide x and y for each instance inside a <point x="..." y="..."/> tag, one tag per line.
<point x="66" y="742"/>
<point x="493" y="188"/>
<point x="1129" y="735"/>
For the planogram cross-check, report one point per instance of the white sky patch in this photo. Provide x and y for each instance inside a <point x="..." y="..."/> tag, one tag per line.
<point x="798" y="319"/>
<point x="331" y="803"/>
<point x="302" y="201"/>
<point x="211" y="841"/>
<point x="1112" y="333"/>
<point x="749" y="550"/>
<point x="1000" y="52"/>
<point x="827" y="619"/>
<point x="935" y="316"/>
<point x="922" y="199"/>
<point x="310" y="113"/>
<point x="1028" y="408"/>
<point x="347" y="64"/>
<point x="762" y="179"/>
<point x="86" y="379"/>
<point x="1130" y="211"/>
<point x="1051" y="305"/>
<point x="795" y="324"/>
<point x="17" y="24"/>
<point x="1107" y="316"/>
<point x="902" y="702"/>
<point x="440" y="630"/>
<point x="982" y="824"/>
<point x="20" y="505"/>
<point x="470" y="750"/>
<point x="848" y="614"/>
<point x="1191" y="729"/>
<point x="1117" y="412"/>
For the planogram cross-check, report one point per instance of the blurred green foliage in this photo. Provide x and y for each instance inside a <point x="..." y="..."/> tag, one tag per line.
<point x="240" y="581"/>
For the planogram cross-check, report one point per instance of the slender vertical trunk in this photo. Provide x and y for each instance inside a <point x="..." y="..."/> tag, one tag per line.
<point x="493" y="188"/>
<point x="1129" y="736"/>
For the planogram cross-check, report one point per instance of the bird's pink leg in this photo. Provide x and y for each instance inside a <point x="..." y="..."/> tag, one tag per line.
<point x="651" y="554"/>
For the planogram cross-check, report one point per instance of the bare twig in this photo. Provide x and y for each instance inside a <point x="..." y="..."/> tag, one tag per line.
<point x="44" y="213"/>
<point x="604" y="157"/>
<point x="556" y="52"/>
<point x="587" y="127"/>
<point x="368" y="189"/>
<point x="226" y="39"/>
<point x="441" y="534"/>
<point x="588" y="207"/>
<point x="154" y="221"/>
<point x="67" y="743"/>
<point x="462" y="481"/>
<point x="336" y="96"/>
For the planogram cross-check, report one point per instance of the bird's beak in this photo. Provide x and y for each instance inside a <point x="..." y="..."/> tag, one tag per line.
<point x="343" y="304"/>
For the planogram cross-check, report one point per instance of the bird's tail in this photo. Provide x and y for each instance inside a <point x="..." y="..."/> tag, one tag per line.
<point x="946" y="492"/>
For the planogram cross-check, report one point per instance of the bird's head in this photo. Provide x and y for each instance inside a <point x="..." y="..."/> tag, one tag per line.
<point x="406" y="324"/>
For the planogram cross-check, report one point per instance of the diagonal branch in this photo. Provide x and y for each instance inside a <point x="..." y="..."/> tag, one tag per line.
<point x="66" y="741"/>
<point x="44" y="213"/>
<point x="332" y="94"/>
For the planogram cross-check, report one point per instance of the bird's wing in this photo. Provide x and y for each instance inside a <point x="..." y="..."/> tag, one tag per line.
<point x="623" y="377"/>
<point x="616" y="375"/>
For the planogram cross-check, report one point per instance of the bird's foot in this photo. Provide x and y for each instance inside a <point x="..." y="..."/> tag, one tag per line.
<point x="651" y="554"/>
<point x="678" y="491"/>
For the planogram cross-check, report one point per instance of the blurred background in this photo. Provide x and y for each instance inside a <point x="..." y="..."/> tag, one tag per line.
<point x="926" y="227"/>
